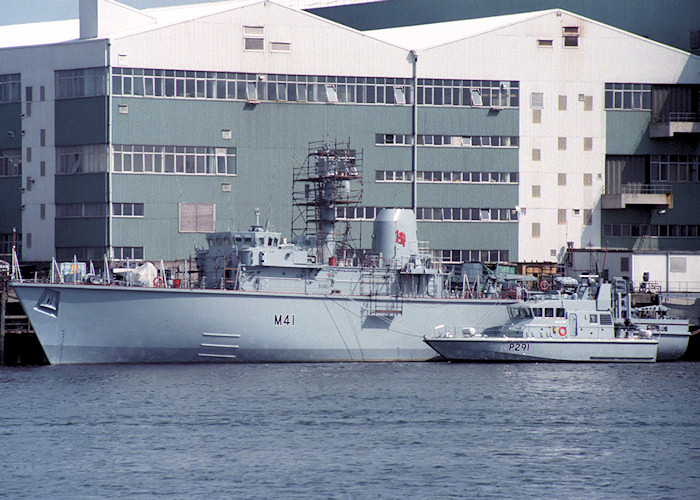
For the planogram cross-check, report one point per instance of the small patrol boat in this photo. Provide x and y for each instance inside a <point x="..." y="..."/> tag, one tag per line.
<point x="556" y="327"/>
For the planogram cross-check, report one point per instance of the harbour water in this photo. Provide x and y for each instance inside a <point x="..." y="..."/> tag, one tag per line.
<point x="386" y="430"/>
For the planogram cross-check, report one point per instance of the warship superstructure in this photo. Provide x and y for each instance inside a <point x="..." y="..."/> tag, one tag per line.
<point x="261" y="298"/>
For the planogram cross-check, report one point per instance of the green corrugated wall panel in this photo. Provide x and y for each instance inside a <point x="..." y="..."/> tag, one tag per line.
<point x="82" y="188"/>
<point x="81" y="121"/>
<point x="10" y="122"/>
<point x="10" y="201"/>
<point x="88" y="232"/>
<point x="158" y="230"/>
<point x="271" y="137"/>
<point x="627" y="133"/>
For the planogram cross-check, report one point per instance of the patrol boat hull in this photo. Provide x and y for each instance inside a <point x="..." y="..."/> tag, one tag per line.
<point x="562" y="350"/>
<point x="119" y="324"/>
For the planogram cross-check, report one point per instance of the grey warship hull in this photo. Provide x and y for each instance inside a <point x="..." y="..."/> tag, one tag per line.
<point x="538" y="350"/>
<point x="116" y="324"/>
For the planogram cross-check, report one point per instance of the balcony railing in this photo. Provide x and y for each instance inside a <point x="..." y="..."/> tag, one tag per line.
<point x="678" y="116"/>
<point x="630" y="195"/>
<point x="645" y="189"/>
<point x="676" y="122"/>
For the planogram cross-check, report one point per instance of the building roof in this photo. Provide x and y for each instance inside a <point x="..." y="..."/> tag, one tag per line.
<point x="20" y="35"/>
<point x="426" y="36"/>
<point x="43" y="33"/>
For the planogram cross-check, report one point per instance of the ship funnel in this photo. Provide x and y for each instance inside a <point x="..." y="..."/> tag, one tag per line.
<point x="396" y="235"/>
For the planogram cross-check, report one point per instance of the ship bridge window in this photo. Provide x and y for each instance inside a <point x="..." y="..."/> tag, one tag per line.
<point x="561" y="313"/>
<point x="520" y="312"/>
<point x="594" y="318"/>
<point x="548" y="312"/>
<point x="537" y="312"/>
<point x="248" y="240"/>
<point x="261" y="241"/>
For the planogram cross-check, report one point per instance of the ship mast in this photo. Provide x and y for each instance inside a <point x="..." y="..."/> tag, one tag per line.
<point x="322" y="188"/>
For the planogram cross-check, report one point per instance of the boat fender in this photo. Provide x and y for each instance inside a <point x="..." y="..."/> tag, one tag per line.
<point x="158" y="281"/>
<point x="562" y="331"/>
<point x="544" y="285"/>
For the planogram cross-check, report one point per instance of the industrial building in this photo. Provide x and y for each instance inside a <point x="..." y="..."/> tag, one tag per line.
<point x="131" y="133"/>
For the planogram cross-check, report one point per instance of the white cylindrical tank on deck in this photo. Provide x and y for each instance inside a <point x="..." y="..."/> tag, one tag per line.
<point x="395" y="235"/>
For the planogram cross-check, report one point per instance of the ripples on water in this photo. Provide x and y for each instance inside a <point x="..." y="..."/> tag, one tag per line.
<point x="394" y="430"/>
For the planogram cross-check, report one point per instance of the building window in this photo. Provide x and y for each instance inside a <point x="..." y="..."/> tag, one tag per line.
<point x="141" y="82"/>
<point x="624" y="264"/>
<point x="82" y="159"/>
<point x="677" y="264"/>
<point x="535" y="229"/>
<point x="280" y="47"/>
<point x="8" y="240"/>
<point x="537" y="100"/>
<point x="80" y="253"/>
<point x="587" y="217"/>
<point x="536" y="191"/>
<point x="588" y="103"/>
<point x="10" y="88"/>
<point x="81" y="83"/>
<point x="42" y="93"/>
<point x="80" y="210"/>
<point x="561" y="179"/>
<point x="536" y="154"/>
<point x="561" y="144"/>
<point x="254" y="38"/>
<point x="399" y="95"/>
<point x="630" y="96"/>
<point x="10" y="162"/>
<point x="587" y="179"/>
<point x="455" y="141"/>
<point x="42" y="211"/>
<point x="28" y="91"/>
<point x="29" y="240"/>
<point x="127" y="209"/>
<point x="42" y="168"/>
<point x="124" y="253"/>
<point x="190" y="160"/>
<point x="29" y="155"/>
<point x="435" y="214"/>
<point x="544" y="42"/>
<point x="448" y="177"/>
<point x="561" y="216"/>
<point x="562" y="103"/>
<point x="588" y="143"/>
<point x="536" y="116"/>
<point x="653" y="230"/>
<point x="196" y="217"/>
<point x="570" y="35"/>
<point x="675" y="168"/>
<point x="42" y="137"/>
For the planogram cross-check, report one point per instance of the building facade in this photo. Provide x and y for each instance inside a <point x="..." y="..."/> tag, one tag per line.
<point x="132" y="133"/>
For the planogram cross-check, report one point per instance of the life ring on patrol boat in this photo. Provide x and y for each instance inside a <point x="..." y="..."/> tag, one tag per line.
<point x="562" y="331"/>
<point x="544" y="285"/>
<point x="158" y="281"/>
